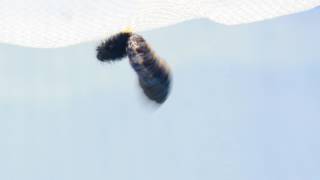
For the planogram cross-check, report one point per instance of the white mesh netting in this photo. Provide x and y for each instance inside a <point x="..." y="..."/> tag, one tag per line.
<point x="56" y="23"/>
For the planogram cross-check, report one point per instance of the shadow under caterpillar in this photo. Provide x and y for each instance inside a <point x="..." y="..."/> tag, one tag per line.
<point x="153" y="72"/>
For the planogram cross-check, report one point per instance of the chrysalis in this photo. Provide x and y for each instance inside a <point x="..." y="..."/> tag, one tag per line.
<point x="153" y="73"/>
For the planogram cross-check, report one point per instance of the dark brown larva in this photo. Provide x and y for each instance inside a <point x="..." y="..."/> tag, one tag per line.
<point x="153" y="73"/>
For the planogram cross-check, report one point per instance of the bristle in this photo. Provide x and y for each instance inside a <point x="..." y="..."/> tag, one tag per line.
<point x="114" y="48"/>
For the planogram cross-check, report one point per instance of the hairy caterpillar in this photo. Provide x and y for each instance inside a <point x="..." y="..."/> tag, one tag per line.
<point x="153" y="73"/>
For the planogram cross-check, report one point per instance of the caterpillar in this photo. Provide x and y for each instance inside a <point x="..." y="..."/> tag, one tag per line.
<point x="153" y="73"/>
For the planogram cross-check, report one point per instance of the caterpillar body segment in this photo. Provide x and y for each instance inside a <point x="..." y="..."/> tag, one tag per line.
<point x="153" y="73"/>
<point x="114" y="48"/>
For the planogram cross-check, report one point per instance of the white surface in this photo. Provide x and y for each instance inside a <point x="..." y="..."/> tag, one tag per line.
<point x="244" y="105"/>
<point x="56" y="23"/>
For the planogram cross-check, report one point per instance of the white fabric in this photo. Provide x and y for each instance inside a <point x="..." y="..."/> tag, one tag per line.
<point x="56" y="23"/>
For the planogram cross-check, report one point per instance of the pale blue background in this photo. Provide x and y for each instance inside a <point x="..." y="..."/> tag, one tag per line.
<point x="245" y="105"/>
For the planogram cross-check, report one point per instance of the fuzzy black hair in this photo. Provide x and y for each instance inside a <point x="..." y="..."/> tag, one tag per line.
<point x="114" y="48"/>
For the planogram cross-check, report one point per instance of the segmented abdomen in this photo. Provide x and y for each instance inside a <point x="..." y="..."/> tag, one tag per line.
<point x="154" y="74"/>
